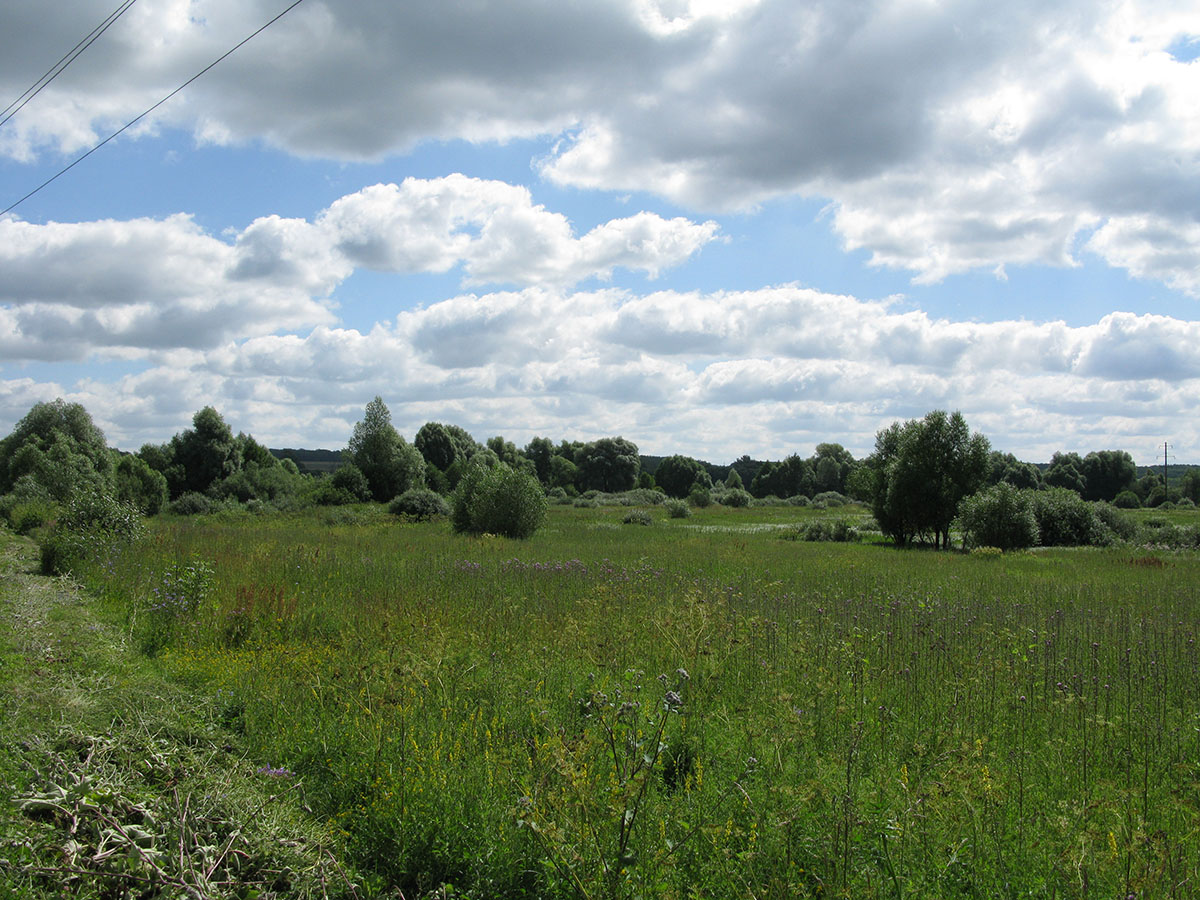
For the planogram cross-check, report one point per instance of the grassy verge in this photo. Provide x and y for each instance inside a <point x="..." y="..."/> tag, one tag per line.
<point x="120" y="784"/>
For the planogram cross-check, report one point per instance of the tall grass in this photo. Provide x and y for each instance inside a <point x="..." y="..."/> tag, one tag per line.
<point x="681" y="711"/>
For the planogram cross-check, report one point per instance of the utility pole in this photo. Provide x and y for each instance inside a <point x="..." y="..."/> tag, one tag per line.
<point x="1165" y="446"/>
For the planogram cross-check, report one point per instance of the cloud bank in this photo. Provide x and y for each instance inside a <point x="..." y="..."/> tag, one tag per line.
<point x="948" y="136"/>
<point x="770" y="371"/>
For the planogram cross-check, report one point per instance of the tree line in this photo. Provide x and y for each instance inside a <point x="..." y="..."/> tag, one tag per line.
<point x="917" y="475"/>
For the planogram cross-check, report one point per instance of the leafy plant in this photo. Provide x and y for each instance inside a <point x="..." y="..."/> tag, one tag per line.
<point x="678" y="509"/>
<point x="1001" y="516"/>
<point x="498" y="500"/>
<point x="420" y="505"/>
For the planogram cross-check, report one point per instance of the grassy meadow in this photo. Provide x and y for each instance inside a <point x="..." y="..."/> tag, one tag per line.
<point x="698" y="708"/>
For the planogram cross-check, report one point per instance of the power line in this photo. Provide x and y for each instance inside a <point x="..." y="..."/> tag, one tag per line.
<point x="143" y="115"/>
<point x="59" y="67"/>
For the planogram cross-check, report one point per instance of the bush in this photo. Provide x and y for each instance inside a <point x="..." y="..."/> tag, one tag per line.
<point x="1127" y="500"/>
<point x="91" y="522"/>
<point x="325" y="493"/>
<point x="700" y="497"/>
<point x="1119" y="523"/>
<point x="840" y="531"/>
<point x="498" y="500"/>
<point x="642" y="497"/>
<point x="420" y="505"/>
<point x="736" y="498"/>
<point x="585" y="503"/>
<point x="191" y="504"/>
<point x="638" y="517"/>
<point x="1001" y="516"/>
<point x="1067" y="520"/>
<point x="829" y="499"/>
<point x="798" y="500"/>
<point x="350" y="478"/>
<point x="769" y="501"/>
<point x="678" y="509"/>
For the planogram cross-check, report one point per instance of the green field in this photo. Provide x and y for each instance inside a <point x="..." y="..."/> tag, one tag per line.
<point x="698" y="708"/>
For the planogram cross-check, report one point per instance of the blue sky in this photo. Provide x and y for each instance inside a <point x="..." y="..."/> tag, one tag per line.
<point x="712" y="227"/>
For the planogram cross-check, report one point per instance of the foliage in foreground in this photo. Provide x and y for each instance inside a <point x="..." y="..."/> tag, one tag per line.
<point x="118" y="785"/>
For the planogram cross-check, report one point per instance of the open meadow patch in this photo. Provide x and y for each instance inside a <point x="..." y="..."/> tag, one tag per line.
<point x="701" y="707"/>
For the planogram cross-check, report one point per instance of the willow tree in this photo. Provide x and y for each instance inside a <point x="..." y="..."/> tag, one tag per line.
<point x="923" y="470"/>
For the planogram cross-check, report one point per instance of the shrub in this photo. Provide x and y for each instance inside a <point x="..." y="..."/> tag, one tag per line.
<point x="1119" y="523"/>
<point x="1001" y="516"/>
<point x="798" y="500"/>
<point x="89" y="523"/>
<point x="29" y="506"/>
<point x="191" y="504"/>
<point x="768" y="501"/>
<point x="1067" y="520"/>
<point x="700" y="497"/>
<point x="31" y="514"/>
<point x="840" y="531"/>
<point x="585" y="503"/>
<point x="678" y="509"/>
<point x="498" y="500"/>
<point x="642" y="497"/>
<point x="736" y="497"/>
<point x="350" y="478"/>
<point x="420" y="505"/>
<point x="830" y="499"/>
<point x="1127" y="500"/>
<point x="638" y="517"/>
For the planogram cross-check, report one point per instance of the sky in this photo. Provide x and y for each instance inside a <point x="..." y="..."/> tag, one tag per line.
<point x="714" y="227"/>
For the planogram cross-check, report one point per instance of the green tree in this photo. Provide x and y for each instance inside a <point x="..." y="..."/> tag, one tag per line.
<point x="540" y="450"/>
<point x="733" y="481"/>
<point x="508" y="453"/>
<point x="202" y="455"/>
<point x="563" y="473"/>
<point x="831" y="465"/>
<point x="1106" y="473"/>
<point x="787" y="478"/>
<point x="923" y="469"/>
<point x="1007" y="468"/>
<point x="1189" y="485"/>
<point x="677" y="475"/>
<point x="434" y="443"/>
<point x="1066" y="471"/>
<point x="391" y="464"/>
<point x="610" y="464"/>
<point x="57" y="446"/>
<point x="139" y="485"/>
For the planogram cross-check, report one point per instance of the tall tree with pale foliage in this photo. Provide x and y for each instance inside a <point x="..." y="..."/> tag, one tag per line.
<point x="390" y="463"/>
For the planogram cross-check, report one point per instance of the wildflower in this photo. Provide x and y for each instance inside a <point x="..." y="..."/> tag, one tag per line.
<point x="672" y="700"/>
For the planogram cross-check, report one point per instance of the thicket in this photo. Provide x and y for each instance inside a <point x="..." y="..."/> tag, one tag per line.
<point x="915" y="479"/>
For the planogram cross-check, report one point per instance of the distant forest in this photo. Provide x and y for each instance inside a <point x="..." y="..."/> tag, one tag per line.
<point x="56" y="451"/>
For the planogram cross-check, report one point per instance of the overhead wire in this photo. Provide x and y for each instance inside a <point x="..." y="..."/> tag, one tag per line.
<point x="59" y="67"/>
<point x="147" y="112"/>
